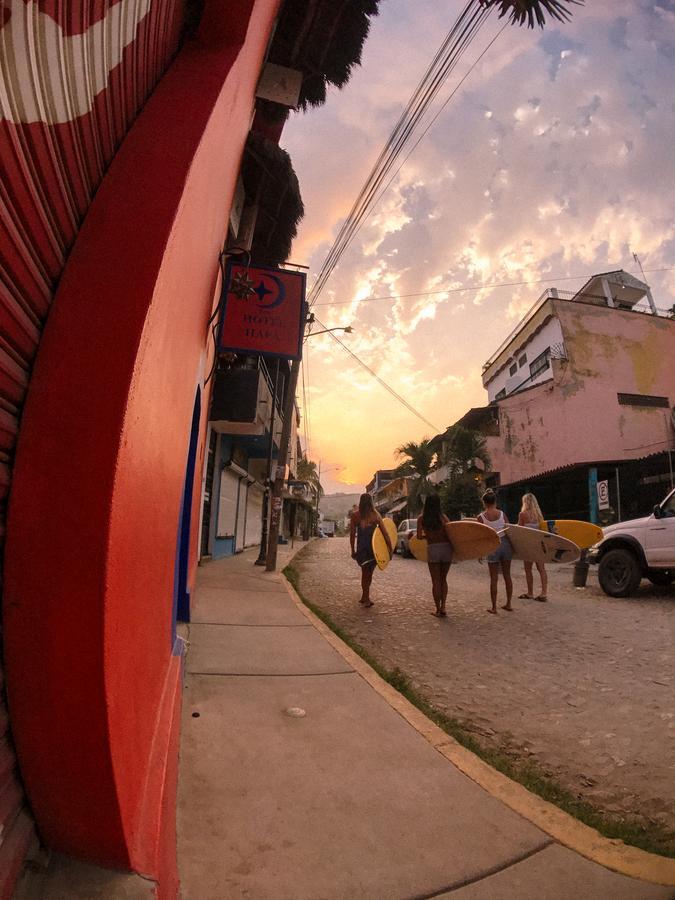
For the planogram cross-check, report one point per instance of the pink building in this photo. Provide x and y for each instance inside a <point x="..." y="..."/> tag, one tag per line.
<point x="583" y="390"/>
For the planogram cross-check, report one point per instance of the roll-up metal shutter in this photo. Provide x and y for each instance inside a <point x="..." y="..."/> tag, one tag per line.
<point x="228" y="497"/>
<point x="73" y="77"/>
<point x="254" y="514"/>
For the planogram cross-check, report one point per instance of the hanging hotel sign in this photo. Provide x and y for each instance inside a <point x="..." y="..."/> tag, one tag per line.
<point x="263" y="311"/>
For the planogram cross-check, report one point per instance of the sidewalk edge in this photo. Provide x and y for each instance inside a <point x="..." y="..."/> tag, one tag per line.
<point x="570" y="832"/>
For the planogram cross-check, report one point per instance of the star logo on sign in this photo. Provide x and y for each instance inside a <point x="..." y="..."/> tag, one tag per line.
<point x="242" y="286"/>
<point x="261" y="291"/>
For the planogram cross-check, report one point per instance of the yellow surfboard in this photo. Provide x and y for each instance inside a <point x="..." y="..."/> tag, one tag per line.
<point x="471" y="540"/>
<point x="380" y="549"/>
<point x="583" y="534"/>
<point x="418" y="548"/>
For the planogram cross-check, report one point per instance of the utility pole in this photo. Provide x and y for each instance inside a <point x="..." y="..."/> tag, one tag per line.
<point x="276" y="499"/>
<point x="280" y="475"/>
<point x="262" y="556"/>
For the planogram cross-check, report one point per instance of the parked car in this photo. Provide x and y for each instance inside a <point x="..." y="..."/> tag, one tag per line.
<point x="404" y="529"/>
<point x="637" y="549"/>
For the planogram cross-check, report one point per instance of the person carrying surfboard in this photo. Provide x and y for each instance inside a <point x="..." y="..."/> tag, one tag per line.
<point x="439" y="549"/>
<point x="362" y="525"/>
<point x="501" y="558"/>
<point x="530" y="517"/>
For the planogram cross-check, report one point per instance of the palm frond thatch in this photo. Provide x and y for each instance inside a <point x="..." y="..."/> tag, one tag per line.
<point x="324" y="39"/>
<point x="533" y="11"/>
<point x="269" y="178"/>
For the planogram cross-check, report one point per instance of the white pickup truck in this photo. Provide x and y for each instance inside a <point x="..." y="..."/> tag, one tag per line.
<point x="637" y="549"/>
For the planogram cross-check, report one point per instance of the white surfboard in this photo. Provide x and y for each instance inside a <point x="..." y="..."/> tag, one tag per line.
<point x="533" y="545"/>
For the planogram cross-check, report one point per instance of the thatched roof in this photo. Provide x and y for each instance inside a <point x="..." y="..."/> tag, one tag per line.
<point x="324" y="40"/>
<point x="269" y="178"/>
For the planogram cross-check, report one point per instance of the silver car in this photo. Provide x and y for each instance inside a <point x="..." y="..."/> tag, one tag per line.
<point x="403" y="534"/>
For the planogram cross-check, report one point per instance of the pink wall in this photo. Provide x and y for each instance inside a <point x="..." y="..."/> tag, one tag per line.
<point x="93" y="687"/>
<point x="576" y="417"/>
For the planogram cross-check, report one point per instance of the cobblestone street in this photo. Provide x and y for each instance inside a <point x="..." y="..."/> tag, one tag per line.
<point x="583" y="684"/>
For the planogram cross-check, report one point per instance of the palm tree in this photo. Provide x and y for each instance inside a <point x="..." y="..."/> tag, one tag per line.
<point x="463" y="445"/>
<point x="520" y="11"/>
<point x="307" y="471"/>
<point x="418" y="463"/>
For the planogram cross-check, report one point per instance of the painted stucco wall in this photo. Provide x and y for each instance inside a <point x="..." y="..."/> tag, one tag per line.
<point x="576" y="417"/>
<point x="94" y="688"/>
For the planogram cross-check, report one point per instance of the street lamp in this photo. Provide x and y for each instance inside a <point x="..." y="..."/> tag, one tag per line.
<point x="346" y="328"/>
<point x="276" y="500"/>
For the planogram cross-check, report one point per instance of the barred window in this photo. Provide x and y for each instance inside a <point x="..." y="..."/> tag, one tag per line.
<point x="513" y="369"/>
<point x="541" y="363"/>
<point x="642" y="400"/>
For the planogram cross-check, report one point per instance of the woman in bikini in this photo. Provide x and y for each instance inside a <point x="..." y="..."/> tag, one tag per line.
<point x="501" y="558"/>
<point x="530" y="517"/>
<point x="439" y="550"/>
<point x="362" y="525"/>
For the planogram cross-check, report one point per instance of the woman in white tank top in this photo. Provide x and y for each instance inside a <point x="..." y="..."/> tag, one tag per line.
<point x="501" y="558"/>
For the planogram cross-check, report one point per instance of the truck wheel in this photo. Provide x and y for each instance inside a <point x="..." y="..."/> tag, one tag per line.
<point x="662" y="577"/>
<point x="619" y="573"/>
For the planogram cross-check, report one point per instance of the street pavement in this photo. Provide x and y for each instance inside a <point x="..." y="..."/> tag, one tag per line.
<point x="583" y="685"/>
<point x="299" y="778"/>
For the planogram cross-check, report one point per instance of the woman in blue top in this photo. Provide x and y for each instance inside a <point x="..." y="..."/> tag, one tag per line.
<point x="439" y="550"/>
<point x="361" y="529"/>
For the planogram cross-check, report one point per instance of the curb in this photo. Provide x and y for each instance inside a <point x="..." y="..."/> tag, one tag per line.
<point x="561" y="826"/>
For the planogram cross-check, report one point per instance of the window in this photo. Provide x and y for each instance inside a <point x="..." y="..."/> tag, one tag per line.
<point x="541" y="363"/>
<point x="522" y="360"/>
<point x="500" y="394"/>
<point x="513" y="369"/>
<point x="642" y="400"/>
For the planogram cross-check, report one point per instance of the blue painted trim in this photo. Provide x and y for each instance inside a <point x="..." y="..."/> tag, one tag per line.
<point x="181" y="591"/>
<point x="593" y="494"/>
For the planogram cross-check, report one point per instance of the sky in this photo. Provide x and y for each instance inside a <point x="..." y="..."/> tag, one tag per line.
<point x="554" y="160"/>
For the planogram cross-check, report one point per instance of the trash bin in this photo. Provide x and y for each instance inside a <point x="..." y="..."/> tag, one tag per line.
<point x="580" y="572"/>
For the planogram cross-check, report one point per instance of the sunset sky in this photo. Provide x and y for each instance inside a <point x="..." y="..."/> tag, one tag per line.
<point x="556" y="158"/>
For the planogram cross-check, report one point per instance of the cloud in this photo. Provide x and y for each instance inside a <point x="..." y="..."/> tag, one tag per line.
<point x="550" y="161"/>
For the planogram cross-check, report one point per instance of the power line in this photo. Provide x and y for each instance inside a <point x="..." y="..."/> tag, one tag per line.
<point x="384" y="190"/>
<point x="456" y="41"/>
<point x="380" y="380"/>
<point x="305" y="401"/>
<point x="475" y="289"/>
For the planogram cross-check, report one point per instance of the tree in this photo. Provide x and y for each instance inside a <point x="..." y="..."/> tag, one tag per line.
<point x="461" y="497"/>
<point x="463" y="446"/>
<point x="307" y="471"/>
<point x="520" y="11"/>
<point x="418" y="464"/>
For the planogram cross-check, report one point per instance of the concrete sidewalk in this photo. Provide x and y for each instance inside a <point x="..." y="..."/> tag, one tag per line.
<point x="300" y="780"/>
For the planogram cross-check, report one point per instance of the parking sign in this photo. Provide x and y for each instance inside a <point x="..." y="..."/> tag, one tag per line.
<point x="603" y="495"/>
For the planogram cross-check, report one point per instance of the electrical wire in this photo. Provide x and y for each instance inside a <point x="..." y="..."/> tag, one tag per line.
<point x="305" y="409"/>
<point x="387" y="159"/>
<point x="475" y="289"/>
<point x="457" y="40"/>
<point x="380" y="380"/>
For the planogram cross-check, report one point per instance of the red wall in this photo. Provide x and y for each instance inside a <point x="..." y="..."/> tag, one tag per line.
<point x="101" y="460"/>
